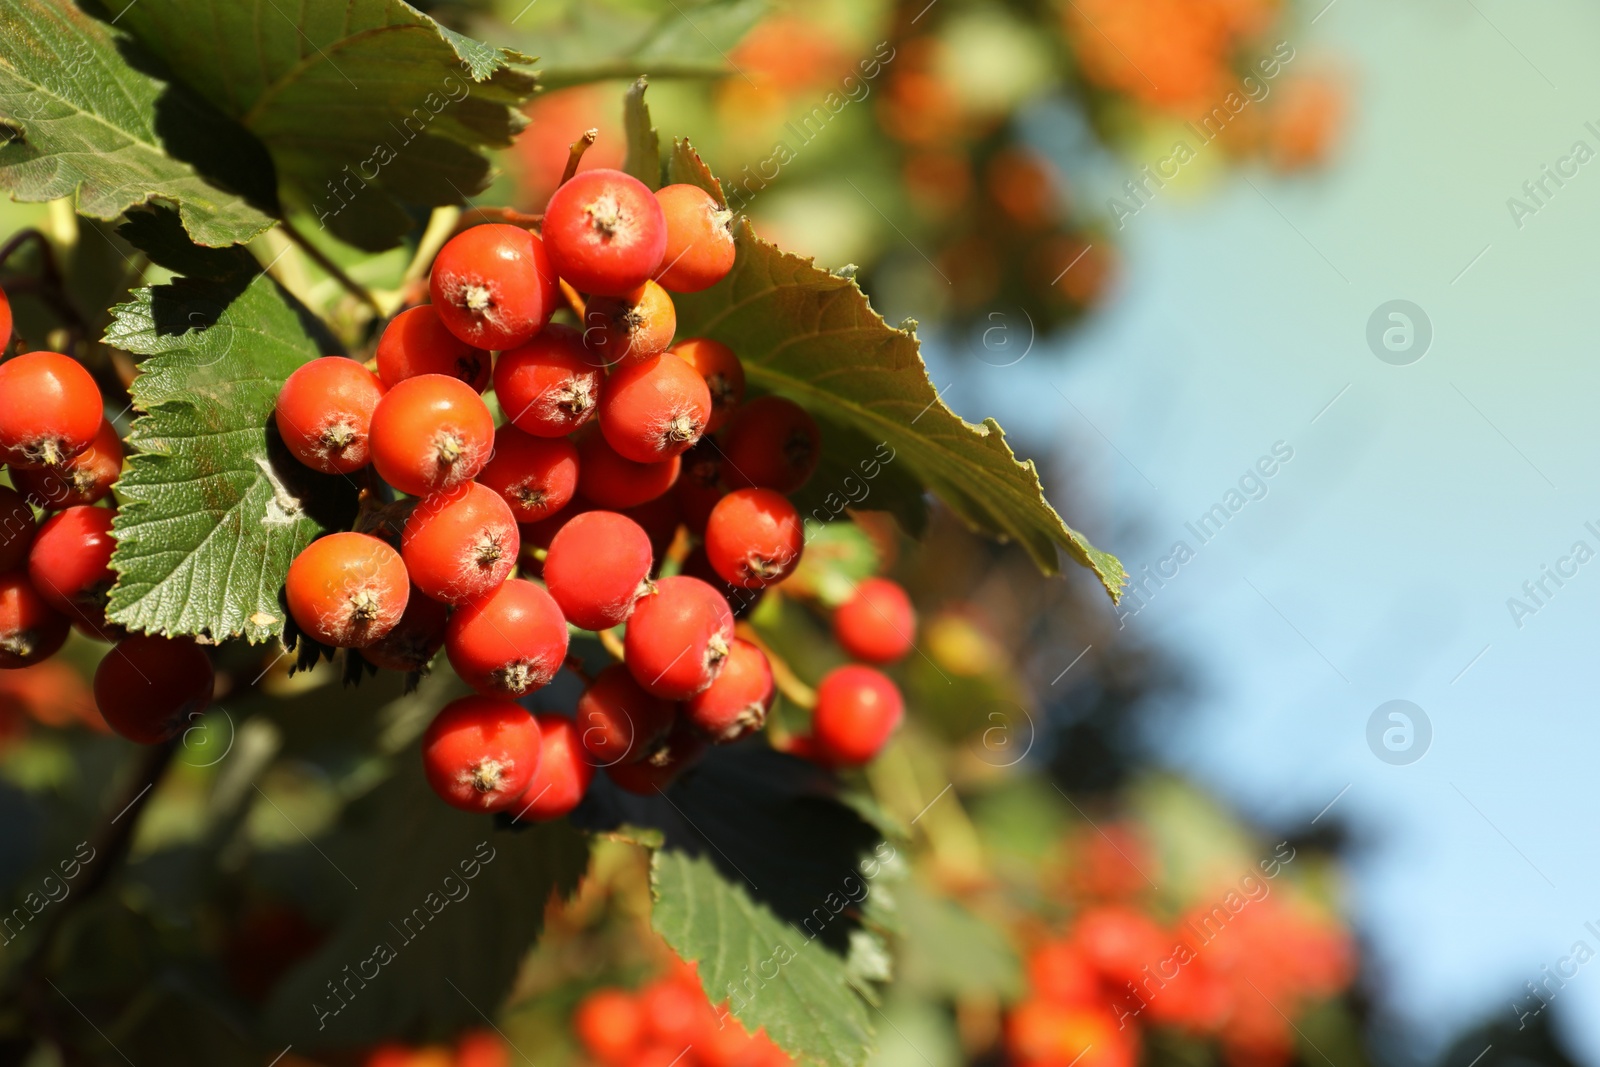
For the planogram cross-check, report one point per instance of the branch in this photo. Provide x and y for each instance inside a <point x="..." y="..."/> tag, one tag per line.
<point x="575" y="153"/>
<point x="350" y="285"/>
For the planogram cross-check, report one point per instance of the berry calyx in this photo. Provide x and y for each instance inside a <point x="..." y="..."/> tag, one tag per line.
<point x="480" y="753"/>
<point x="535" y="476"/>
<point x="461" y="544"/>
<point x="654" y="409"/>
<point x="857" y="710"/>
<point x="736" y="704"/>
<point x="150" y="688"/>
<point x="17" y="528"/>
<point x="324" y="414"/>
<point x="637" y="325"/>
<point x="614" y="481"/>
<point x="618" y="721"/>
<point x="605" y="232"/>
<point x="83" y="479"/>
<point x="493" y="286"/>
<point x="415" y="640"/>
<point x="50" y="409"/>
<point x="431" y="433"/>
<point x="416" y="341"/>
<point x="508" y="643"/>
<point x="70" y="561"/>
<point x="548" y="387"/>
<point x="597" y="567"/>
<point x="771" y="443"/>
<point x="754" y="538"/>
<point x="31" y="631"/>
<point x="564" y="773"/>
<point x="678" y="638"/>
<point x="700" y="249"/>
<point x="347" y="590"/>
<point x="722" y="372"/>
<point x="877" y="624"/>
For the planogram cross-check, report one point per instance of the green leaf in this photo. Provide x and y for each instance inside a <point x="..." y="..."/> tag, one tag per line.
<point x="368" y="108"/>
<point x="643" y="160"/>
<point x="83" y="113"/>
<point x="213" y="507"/>
<point x="454" y="903"/>
<point x="812" y="336"/>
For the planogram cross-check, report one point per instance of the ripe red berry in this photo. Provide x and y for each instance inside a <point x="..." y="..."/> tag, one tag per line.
<point x="700" y="484"/>
<point x="548" y="387"/>
<point x="417" y="342"/>
<point x="50" y="409"/>
<point x="618" y="721"/>
<point x="431" y="433"/>
<point x="613" y="481"/>
<point x="700" y="249"/>
<point x="535" y="476"/>
<point x="597" y="566"/>
<point x="736" y="703"/>
<point x="150" y="688"/>
<point x="678" y="638"/>
<point x="481" y="752"/>
<point x="5" y="320"/>
<point x="857" y="709"/>
<point x="478" y="1049"/>
<point x="653" y="409"/>
<point x="83" y="479"/>
<point x="771" y="443"/>
<point x="754" y="538"/>
<point x="637" y="325"/>
<point x="493" y="286"/>
<point x="17" y="528"/>
<point x="564" y="772"/>
<point x="70" y="561"/>
<point x="605" y="232"/>
<point x="680" y="751"/>
<point x="461" y="544"/>
<point x="877" y="624"/>
<point x="415" y="640"/>
<point x="659" y="520"/>
<point x="610" y="1023"/>
<point x="742" y="601"/>
<point x="324" y="414"/>
<point x="722" y="372"/>
<point x="508" y="643"/>
<point x="347" y="590"/>
<point x="30" y="629"/>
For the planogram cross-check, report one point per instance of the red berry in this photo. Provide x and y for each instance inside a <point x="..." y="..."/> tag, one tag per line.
<point x="324" y="414"/>
<point x="509" y="642"/>
<point x="613" y="481"/>
<point x="676" y="1012"/>
<point x="347" y="590"/>
<point x="721" y="371"/>
<point x="493" y="286"/>
<point x="70" y="562"/>
<point x="50" y="409"/>
<point x="598" y="565"/>
<point x="30" y="629"/>
<point x="857" y="709"/>
<point x="681" y="750"/>
<point x="548" y="387"/>
<point x="83" y="479"/>
<point x="638" y="325"/>
<point x="431" y="433"/>
<point x="150" y="688"/>
<point x="5" y="320"/>
<point x="460" y="544"/>
<point x="17" y="528"/>
<point x="619" y="721"/>
<point x="416" y="342"/>
<point x="700" y="250"/>
<point x="700" y="484"/>
<point x="481" y="752"/>
<point x="605" y="232"/>
<point x="610" y="1023"/>
<point x="742" y="601"/>
<point x="535" y="476"/>
<point x="754" y="538"/>
<point x="736" y="703"/>
<point x="659" y="519"/>
<point x="877" y="624"/>
<point x="678" y="638"/>
<point x="653" y="409"/>
<point x="564" y="774"/>
<point x="415" y="640"/>
<point x="771" y="443"/>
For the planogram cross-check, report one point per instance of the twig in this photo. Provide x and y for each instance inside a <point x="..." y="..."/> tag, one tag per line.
<point x="575" y="154"/>
<point x="612" y="643"/>
<point x="788" y="683"/>
<point x="574" y="301"/>
<point x="332" y="269"/>
<point x="476" y="215"/>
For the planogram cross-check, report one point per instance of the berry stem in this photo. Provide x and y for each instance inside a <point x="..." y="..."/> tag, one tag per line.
<point x="574" y="301"/>
<point x="332" y="269"/>
<point x="575" y="154"/>
<point x="788" y="683"/>
<point x="612" y="643"/>
<point x="575" y="665"/>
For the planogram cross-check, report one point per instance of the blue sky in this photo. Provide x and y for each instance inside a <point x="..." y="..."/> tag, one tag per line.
<point x="1380" y="563"/>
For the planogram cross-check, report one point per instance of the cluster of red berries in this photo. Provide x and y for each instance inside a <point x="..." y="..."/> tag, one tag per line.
<point x="476" y="1049"/>
<point x="668" y="1022"/>
<point x="63" y="456"/>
